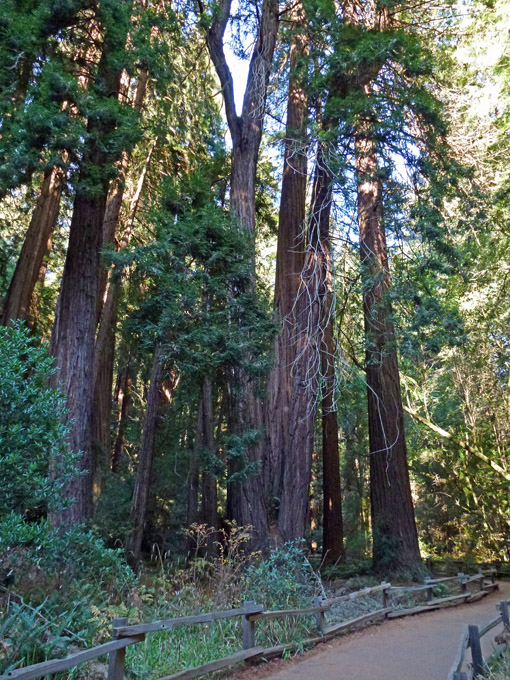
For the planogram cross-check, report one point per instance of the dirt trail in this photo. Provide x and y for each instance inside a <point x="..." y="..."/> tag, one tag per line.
<point x="419" y="647"/>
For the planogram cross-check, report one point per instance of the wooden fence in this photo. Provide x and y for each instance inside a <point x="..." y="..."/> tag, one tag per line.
<point x="124" y="635"/>
<point x="471" y="640"/>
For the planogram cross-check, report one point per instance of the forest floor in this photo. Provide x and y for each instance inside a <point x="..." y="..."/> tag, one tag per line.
<point x="420" y="647"/>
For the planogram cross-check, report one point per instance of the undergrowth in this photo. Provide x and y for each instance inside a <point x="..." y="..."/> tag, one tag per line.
<point x="283" y="580"/>
<point x="499" y="667"/>
<point x="68" y="588"/>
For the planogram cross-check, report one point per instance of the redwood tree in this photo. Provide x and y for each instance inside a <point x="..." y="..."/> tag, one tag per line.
<point x="246" y="501"/>
<point x="145" y="460"/>
<point x="36" y="245"/>
<point x="319" y="267"/>
<point x="291" y="397"/>
<point x="395" y="538"/>
<point x="72" y="342"/>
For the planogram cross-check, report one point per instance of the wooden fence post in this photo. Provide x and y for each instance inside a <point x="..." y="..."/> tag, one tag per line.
<point x="462" y="580"/>
<point x="430" y="589"/>
<point x="476" y="652"/>
<point x="503" y="608"/>
<point x="385" y="597"/>
<point x="320" y="617"/>
<point x="116" y="659"/>
<point x="248" y="628"/>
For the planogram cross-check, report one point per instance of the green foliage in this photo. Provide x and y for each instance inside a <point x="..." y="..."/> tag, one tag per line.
<point x="62" y="575"/>
<point x="70" y="585"/>
<point x="284" y="580"/>
<point x="74" y="558"/>
<point x="33" y="634"/>
<point x="32" y="429"/>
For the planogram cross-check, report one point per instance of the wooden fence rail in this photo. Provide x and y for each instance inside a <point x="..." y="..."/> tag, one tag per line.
<point x="124" y="635"/>
<point x="471" y="640"/>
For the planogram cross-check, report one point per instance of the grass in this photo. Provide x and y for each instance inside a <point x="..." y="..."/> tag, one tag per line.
<point x="283" y="580"/>
<point x="499" y="667"/>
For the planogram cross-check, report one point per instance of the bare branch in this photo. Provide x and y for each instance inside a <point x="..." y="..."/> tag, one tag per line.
<point x="215" y="37"/>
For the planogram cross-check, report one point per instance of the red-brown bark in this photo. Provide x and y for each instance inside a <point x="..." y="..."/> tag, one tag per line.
<point x="314" y="302"/>
<point x="145" y="461"/>
<point x="291" y="401"/>
<point x="72" y="345"/>
<point x="37" y="241"/>
<point x="122" y="395"/>
<point x="395" y="539"/>
<point x="104" y="351"/>
<point x="73" y="336"/>
<point x="332" y="520"/>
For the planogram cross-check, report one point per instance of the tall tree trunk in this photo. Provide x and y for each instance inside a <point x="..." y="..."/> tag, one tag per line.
<point x="72" y="345"/>
<point x="246" y="502"/>
<point x="194" y="468"/>
<point x="104" y="361"/>
<point x="116" y="195"/>
<point x="291" y="402"/>
<point x="73" y="337"/>
<point x="33" y="315"/>
<point x="314" y="303"/>
<point x="145" y="461"/>
<point x="36" y="245"/>
<point x="332" y="522"/>
<point x="200" y="478"/>
<point x="104" y="350"/>
<point x="124" y="396"/>
<point x="209" y="508"/>
<point x="395" y="539"/>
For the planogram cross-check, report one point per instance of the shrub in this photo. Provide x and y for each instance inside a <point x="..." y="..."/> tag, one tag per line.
<point x="32" y="429"/>
<point x="62" y="586"/>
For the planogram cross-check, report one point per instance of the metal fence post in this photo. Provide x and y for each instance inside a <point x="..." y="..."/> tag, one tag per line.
<point x="116" y="660"/>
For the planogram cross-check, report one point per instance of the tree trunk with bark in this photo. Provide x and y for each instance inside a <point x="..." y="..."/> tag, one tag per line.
<point x="246" y="502"/>
<point x="395" y="539"/>
<point x="73" y="337"/>
<point x="209" y="507"/>
<point x="291" y="402"/>
<point x="332" y="521"/>
<point x="193" y="482"/>
<point x="116" y="195"/>
<point x="316" y="302"/>
<point x="72" y="345"/>
<point x="145" y="461"/>
<point x="104" y="350"/>
<point x="123" y="394"/>
<point x="17" y="303"/>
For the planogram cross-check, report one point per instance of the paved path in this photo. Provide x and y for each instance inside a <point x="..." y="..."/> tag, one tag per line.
<point x="419" y="647"/>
